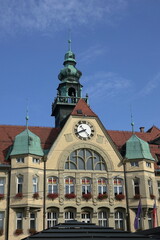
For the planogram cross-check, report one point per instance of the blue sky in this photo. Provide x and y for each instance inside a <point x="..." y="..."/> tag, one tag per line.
<point x="117" y="47"/>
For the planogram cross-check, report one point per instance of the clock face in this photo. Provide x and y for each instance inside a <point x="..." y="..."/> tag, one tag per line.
<point x="84" y="130"/>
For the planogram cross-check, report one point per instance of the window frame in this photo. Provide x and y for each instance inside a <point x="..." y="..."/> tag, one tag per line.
<point x="103" y="219"/>
<point x="1" y="220"/>
<point x="86" y="187"/>
<point x="70" y="186"/>
<point x="19" y="184"/>
<point x="19" y="220"/>
<point x="32" y="220"/>
<point x="52" y="220"/>
<point x="52" y="187"/>
<point x="2" y="185"/>
<point x="118" y="187"/>
<point x="35" y="184"/>
<point x="102" y="188"/>
<point x="119" y="221"/>
<point x="136" y="185"/>
<point x="20" y="160"/>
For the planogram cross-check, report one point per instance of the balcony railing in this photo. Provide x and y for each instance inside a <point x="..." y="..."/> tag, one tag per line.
<point x="67" y="100"/>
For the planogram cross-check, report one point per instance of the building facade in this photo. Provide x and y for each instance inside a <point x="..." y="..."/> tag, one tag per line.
<point x="76" y="170"/>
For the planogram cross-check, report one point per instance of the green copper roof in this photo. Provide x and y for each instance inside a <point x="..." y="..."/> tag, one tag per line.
<point x="27" y="143"/>
<point x="136" y="148"/>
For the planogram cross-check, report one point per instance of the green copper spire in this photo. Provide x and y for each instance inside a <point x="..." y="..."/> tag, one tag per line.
<point x="69" y="73"/>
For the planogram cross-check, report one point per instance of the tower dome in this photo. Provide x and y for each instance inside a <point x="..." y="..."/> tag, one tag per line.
<point x="137" y="148"/>
<point x="27" y="143"/>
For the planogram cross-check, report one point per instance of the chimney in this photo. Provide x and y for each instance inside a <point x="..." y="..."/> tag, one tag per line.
<point x="141" y="129"/>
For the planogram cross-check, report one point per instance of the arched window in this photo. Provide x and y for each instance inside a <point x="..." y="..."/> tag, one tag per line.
<point x="52" y="185"/>
<point x="119" y="220"/>
<point x="118" y="186"/>
<point x="103" y="218"/>
<point x="69" y="185"/>
<point x="85" y="159"/>
<point x="102" y="186"/>
<point x="86" y="185"/>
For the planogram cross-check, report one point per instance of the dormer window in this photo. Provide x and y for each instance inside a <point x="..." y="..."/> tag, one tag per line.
<point x="20" y="160"/>
<point x="35" y="160"/>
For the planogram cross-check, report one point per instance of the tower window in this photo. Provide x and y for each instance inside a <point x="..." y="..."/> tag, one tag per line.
<point x="20" y="160"/>
<point x="2" y="185"/>
<point x="136" y="186"/>
<point x="19" y="184"/>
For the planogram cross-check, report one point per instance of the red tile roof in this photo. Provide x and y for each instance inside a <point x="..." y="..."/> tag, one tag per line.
<point x="8" y="133"/>
<point x="82" y="109"/>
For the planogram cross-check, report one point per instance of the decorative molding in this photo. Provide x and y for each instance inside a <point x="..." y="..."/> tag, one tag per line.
<point x="99" y="139"/>
<point x="68" y="137"/>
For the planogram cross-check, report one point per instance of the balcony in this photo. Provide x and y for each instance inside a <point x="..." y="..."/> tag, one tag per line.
<point x="62" y="100"/>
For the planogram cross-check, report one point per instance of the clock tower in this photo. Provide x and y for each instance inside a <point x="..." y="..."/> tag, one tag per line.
<point x="69" y="90"/>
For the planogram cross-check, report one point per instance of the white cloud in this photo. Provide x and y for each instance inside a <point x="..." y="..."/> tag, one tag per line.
<point x="91" y="54"/>
<point x="150" y="86"/>
<point x="49" y="15"/>
<point x="104" y="85"/>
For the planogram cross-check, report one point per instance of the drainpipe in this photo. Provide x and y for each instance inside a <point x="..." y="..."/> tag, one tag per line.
<point x="8" y="205"/>
<point x="44" y="193"/>
<point x="127" y="201"/>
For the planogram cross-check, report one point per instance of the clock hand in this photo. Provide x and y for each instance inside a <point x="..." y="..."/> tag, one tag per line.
<point x="83" y="130"/>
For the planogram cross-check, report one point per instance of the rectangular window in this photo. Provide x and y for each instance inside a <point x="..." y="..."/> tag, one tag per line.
<point x="150" y="223"/>
<point x="150" y="187"/>
<point x="2" y="181"/>
<point x="86" y="185"/>
<point x="102" y="219"/>
<point x="35" y="184"/>
<point x="19" y="184"/>
<point x="51" y="219"/>
<point x="32" y="221"/>
<point x="19" y="220"/>
<point x="1" y="220"/>
<point x="148" y="164"/>
<point x="20" y="160"/>
<point x="118" y="186"/>
<point x="35" y="160"/>
<point x="136" y="186"/>
<point x="69" y="185"/>
<point x="52" y="185"/>
<point x="158" y="185"/>
<point x="134" y="164"/>
<point x="119" y="222"/>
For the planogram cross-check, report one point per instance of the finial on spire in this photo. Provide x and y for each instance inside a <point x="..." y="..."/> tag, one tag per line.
<point x="69" y="41"/>
<point x="132" y="123"/>
<point x="27" y="117"/>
